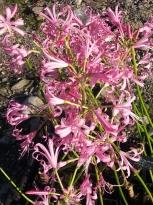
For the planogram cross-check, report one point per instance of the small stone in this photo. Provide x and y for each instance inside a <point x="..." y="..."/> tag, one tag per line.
<point x="34" y="100"/>
<point x="37" y="10"/>
<point x="21" y="86"/>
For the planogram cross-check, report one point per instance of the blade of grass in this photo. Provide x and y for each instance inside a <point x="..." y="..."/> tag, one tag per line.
<point x="16" y="187"/>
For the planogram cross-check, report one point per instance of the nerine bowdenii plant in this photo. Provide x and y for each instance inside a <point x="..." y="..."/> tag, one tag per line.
<point x="88" y="74"/>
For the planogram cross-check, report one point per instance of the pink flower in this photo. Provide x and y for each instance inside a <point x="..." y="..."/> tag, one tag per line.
<point x="73" y="124"/>
<point x="43" y="196"/>
<point x="103" y="151"/>
<point x="108" y="127"/>
<point x="26" y="140"/>
<point x="55" y="100"/>
<point x="116" y="16"/>
<point x="123" y="108"/>
<point x="90" y="46"/>
<point x="86" y="190"/>
<point x="106" y="186"/>
<point x="71" y="196"/>
<point x="56" y="18"/>
<point x="143" y="43"/>
<point x="51" y="16"/>
<point x="52" y="65"/>
<point x="7" y="24"/>
<point x="17" y="54"/>
<point x="63" y="21"/>
<point x="86" y="155"/>
<point x="17" y="113"/>
<point x="124" y="163"/>
<point x="69" y="90"/>
<point x="126" y="77"/>
<point x="105" y="154"/>
<point x="50" y="156"/>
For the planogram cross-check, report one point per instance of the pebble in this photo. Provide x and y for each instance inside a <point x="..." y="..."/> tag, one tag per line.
<point x="21" y="85"/>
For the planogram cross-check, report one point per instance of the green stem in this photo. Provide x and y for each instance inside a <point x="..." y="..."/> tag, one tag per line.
<point x="15" y="186"/>
<point x="78" y="176"/>
<point x="59" y="180"/>
<point x="145" y="187"/>
<point x="91" y="96"/>
<point x="148" y="139"/>
<point x="101" y="90"/>
<point x="142" y="128"/>
<point x="120" y="189"/>
<point x="73" y="178"/>
<point x="77" y="105"/>
<point x="29" y="64"/>
<point x="138" y="89"/>
<point x="99" y="189"/>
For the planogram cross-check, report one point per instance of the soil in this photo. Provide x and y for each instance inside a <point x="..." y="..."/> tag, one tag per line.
<point x="23" y="171"/>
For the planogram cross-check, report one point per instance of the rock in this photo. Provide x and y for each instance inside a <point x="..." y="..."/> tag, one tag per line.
<point x="37" y="10"/>
<point x="34" y="100"/>
<point x="22" y="85"/>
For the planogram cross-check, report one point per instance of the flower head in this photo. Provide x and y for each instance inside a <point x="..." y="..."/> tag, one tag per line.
<point x="116" y="16"/>
<point x="126" y="157"/>
<point x="17" y="113"/>
<point x="86" y="190"/>
<point x="50" y="156"/>
<point x="7" y="24"/>
<point x="16" y="52"/>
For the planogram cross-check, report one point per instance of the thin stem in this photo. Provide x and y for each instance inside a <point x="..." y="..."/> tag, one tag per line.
<point x="29" y="64"/>
<point x="78" y="176"/>
<point x="120" y="189"/>
<point x="145" y="130"/>
<point x="73" y="178"/>
<point x="92" y="96"/>
<point x="142" y="128"/>
<point x="138" y="89"/>
<point x="99" y="189"/>
<point x="15" y="186"/>
<point x="101" y="90"/>
<point x="59" y="180"/>
<point x="145" y="187"/>
<point x="77" y="105"/>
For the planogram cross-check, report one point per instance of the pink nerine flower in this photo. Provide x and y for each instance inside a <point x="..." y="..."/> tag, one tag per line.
<point x="26" y="140"/>
<point x="106" y="186"/>
<point x="43" y="196"/>
<point x="7" y="24"/>
<point x="86" y="190"/>
<point x="50" y="156"/>
<point x="65" y="21"/>
<point x="104" y="153"/>
<point x="124" y="108"/>
<point x="116" y="16"/>
<point x="108" y="127"/>
<point x="53" y="64"/>
<point x="124" y="163"/>
<point x="55" y="100"/>
<point x="17" y="113"/>
<point x="16" y="52"/>
<point x="73" y="125"/>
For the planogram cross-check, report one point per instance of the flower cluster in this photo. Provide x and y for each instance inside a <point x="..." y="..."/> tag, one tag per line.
<point x="8" y="29"/>
<point x="88" y="74"/>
